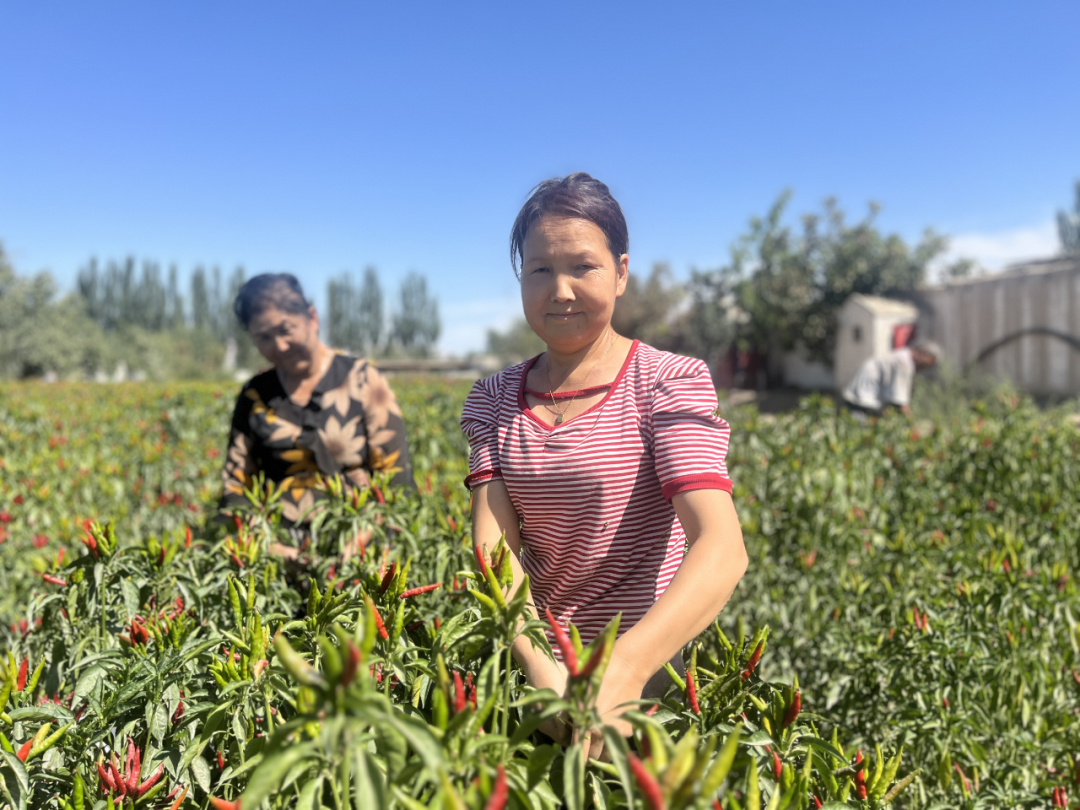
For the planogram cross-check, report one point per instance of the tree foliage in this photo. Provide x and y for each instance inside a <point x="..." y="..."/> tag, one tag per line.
<point x="415" y="322"/>
<point x="1069" y="226"/>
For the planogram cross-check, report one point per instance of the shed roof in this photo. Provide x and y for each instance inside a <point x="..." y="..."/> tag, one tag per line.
<point x="884" y="307"/>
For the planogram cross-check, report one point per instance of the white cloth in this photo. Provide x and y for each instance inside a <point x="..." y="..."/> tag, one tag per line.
<point x="883" y="381"/>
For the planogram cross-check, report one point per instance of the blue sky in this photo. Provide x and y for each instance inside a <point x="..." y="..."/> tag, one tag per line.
<point x="326" y="136"/>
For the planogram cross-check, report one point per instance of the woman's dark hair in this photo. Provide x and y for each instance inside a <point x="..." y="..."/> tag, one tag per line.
<point x="279" y="290"/>
<point x="576" y="196"/>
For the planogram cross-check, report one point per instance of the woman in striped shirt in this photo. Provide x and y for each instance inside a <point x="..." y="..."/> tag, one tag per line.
<point x="602" y="459"/>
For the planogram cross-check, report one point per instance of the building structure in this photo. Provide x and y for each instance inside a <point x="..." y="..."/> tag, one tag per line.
<point x="1021" y="325"/>
<point x="869" y="326"/>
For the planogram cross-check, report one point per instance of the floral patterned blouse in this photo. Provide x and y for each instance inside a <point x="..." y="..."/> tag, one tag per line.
<point x="352" y="425"/>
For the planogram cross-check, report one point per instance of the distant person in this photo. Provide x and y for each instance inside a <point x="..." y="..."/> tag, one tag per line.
<point x="884" y="382"/>
<point x="601" y="460"/>
<point x="314" y="414"/>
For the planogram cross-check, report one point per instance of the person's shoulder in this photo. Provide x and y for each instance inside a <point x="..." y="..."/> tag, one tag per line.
<point x="503" y="382"/>
<point x="661" y="366"/>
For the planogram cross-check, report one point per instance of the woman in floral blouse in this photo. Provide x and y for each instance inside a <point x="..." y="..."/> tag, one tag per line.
<point x="315" y="414"/>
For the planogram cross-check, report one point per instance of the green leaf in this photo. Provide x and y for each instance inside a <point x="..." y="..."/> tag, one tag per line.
<point x="159" y="723"/>
<point x="264" y="782"/>
<point x="132" y="602"/>
<point x="200" y="772"/>
<point x="540" y="763"/>
<point x="574" y="777"/>
<point x="369" y="784"/>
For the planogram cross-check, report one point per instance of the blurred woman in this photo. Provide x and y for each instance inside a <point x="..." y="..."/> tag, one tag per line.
<point x="601" y="459"/>
<point x="315" y="413"/>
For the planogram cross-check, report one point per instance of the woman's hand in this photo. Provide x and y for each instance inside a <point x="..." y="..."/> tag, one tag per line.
<point x="622" y="684"/>
<point x="543" y="673"/>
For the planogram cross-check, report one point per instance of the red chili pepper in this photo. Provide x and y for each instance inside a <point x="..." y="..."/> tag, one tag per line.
<point x="777" y="765"/>
<point x="54" y="580"/>
<point x="179" y="799"/>
<point x="793" y="710"/>
<point x="152" y="779"/>
<point x="5" y="517"/>
<point x="500" y="793"/>
<point x="379" y="623"/>
<point x="179" y="708"/>
<point x="20" y="681"/>
<point x="691" y="693"/>
<point x="220" y="760"/>
<point x="420" y="590"/>
<point x="24" y="752"/>
<point x="221" y="804"/>
<point x="471" y="686"/>
<point x="716" y="805"/>
<point x="351" y="663"/>
<point x="459" y="693"/>
<point x="481" y="561"/>
<point x="860" y="778"/>
<point x="751" y="665"/>
<point x="967" y="784"/>
<point x="107" y="783"/>
<point x="648" y="785"/>
<point x="121" y="788"/>
<point x="187" y="537"/>
<point x="566" y="646"/>
<point x="388" y="577"/>
<point x="817" y="803"/>
<point x="378" y="495"/>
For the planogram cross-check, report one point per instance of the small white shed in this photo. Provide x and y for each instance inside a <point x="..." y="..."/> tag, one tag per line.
<point x="866" y="326"/>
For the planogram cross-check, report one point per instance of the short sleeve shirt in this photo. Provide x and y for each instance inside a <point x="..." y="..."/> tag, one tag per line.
<point x="593" y="494"/>
<point x="883" y="381"/>
<point x="352" y="426"/>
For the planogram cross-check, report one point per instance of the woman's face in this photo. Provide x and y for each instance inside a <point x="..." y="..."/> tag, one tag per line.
<point x="569" y="282"/>
<point x="289" y="341"/>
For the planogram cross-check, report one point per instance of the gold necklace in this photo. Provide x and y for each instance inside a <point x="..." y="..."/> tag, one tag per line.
<point x="560" y="415"/>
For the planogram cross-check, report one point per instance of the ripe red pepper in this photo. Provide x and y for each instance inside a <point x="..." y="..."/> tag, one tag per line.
<point x="20" y="681"/>
<point x="220" y="760"/>
<point x="566" y="646"/>
<point x="793" y="710"/>
<point x="351" y="663"/>
<point x="422" y="589"/>
<point x="179" y="799"/>
<point x="860" y="778"/>
<point x="54" y="580"/>
<point x="152" y="779"/>
<point x="481" y="561"/>
<point x="388" y="577"/>
<point x="222" y="804"/>
<point x="691" y="693"/>
<point x="459" y="693"/>
<point x="379" y="624"/>
<point x="594" y="661"/>
<point x="107" y="782"/>
<point x="777" y="765"/>
<point x="379" y="496"/>
<point x="500" y="792"/>
<point x="648" y="785"/>
<point x="817" y="803"/>
<point x="187" y="537"/>
<point x="24" y="752"/>
<point x="751" y="665"/>
<point x="963" y="776"/>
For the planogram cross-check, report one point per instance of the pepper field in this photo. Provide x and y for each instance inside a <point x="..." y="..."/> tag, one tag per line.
<point x="918" y="583"/>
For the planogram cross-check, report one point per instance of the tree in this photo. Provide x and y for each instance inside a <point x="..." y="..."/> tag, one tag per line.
<point x="519" y="342"/>
<point x="200" y="300"/>
<point x="645" y="311"/>
<point x="416" y="323"/>
<point x="369" y="311"/>
<point x="791" y="285"/>
<point x="1069" y="226"/>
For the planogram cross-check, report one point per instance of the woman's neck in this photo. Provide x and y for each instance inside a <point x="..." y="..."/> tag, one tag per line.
<point x="560" y="367"/>
<point x="320" y="361"/>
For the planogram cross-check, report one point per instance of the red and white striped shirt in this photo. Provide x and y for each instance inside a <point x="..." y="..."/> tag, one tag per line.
<point x="594" y="493"/>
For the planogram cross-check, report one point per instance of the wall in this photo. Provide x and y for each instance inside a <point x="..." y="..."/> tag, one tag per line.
<point x="967" y="316"/>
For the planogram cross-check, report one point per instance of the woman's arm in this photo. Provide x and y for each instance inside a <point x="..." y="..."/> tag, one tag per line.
<point x="701" y="587"/>
<point x="493" y="513"/>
